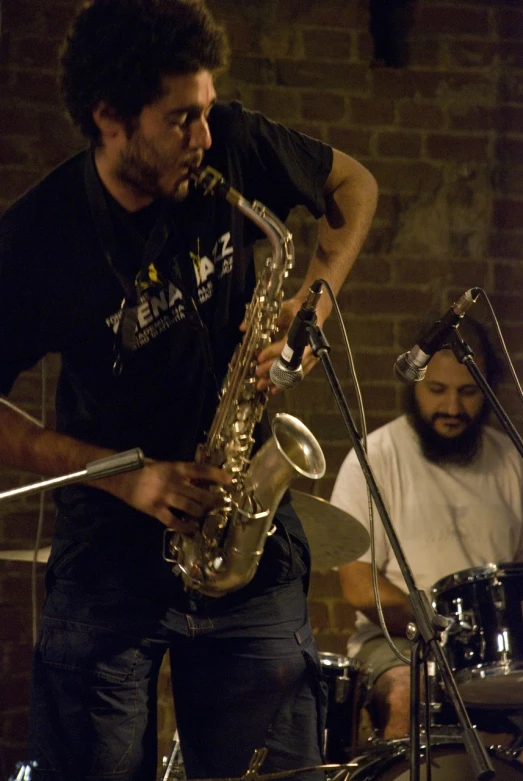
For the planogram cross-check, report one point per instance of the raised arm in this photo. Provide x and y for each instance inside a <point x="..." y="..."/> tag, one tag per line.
<point x="351" y="195"/>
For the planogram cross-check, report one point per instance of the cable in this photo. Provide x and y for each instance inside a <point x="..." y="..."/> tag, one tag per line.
<point x="363" y="424"/>
<point x="502" y="342"/>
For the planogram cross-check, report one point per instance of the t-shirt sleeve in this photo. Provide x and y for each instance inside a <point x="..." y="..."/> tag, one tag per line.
<point x="350" y="494"/>
<point x="283" y="168"/>
<point x="21" y="337"/>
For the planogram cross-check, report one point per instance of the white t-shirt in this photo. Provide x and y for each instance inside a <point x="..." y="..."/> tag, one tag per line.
<point x="447" y="518"/>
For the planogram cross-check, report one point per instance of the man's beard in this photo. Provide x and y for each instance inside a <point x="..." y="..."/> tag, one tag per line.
<point x="142" y="167"/>
<point x="461" y="449"/>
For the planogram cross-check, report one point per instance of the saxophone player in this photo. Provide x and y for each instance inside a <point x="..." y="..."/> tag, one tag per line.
<point x="140" y="284"/>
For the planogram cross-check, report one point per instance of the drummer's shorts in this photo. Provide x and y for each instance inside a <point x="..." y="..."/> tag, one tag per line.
<point x="378" y="656"/>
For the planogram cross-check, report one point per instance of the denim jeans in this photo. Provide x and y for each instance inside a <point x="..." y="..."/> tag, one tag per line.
<point x="244" y="677"/>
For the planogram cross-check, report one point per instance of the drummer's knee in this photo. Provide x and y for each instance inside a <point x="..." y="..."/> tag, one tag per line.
<point x="391" y="703"/>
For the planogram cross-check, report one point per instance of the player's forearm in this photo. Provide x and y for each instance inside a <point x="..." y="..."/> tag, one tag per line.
<point x="26" y="445"/>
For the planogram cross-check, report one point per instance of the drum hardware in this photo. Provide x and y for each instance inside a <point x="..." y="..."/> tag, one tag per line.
<point x="450" y="762"/>
<point x="347" y="685"/>
<point x="23" y="771"/>
<point x="172" y="765"/>
<point x="487" y="656"/>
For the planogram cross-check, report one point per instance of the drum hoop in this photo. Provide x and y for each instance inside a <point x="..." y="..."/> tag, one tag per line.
<point x="488" y="670"/>
<point x="470" y="575"/>
<point x="334" y="661"/>
<point x="474" y="574"/>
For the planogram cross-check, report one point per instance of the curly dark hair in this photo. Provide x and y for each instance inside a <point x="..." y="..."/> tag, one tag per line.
<point x="118" y="51"/>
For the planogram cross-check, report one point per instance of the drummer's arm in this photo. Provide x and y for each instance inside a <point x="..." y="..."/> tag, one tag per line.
<point x="357" y="590"/>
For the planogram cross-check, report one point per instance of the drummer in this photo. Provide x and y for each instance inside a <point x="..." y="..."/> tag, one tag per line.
<point x="454" y="489"/>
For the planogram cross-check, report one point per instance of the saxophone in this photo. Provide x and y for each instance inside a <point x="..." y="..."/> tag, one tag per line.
<point x="223" y="554"/>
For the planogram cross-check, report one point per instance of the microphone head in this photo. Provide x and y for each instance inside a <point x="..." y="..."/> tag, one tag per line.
<point x="406" y="371"/>
<point x="283" y="377"/>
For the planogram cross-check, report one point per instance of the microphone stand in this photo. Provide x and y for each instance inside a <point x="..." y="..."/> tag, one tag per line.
<point x="103" y="467"/>
<point x="465" y="355"/>
<point x="428" y="625"/>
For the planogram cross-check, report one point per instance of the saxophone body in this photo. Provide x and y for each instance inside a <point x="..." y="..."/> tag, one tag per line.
<point x="223" y="554"/>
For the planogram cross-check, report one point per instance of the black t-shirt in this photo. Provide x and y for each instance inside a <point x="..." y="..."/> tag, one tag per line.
<point x="58" y="293"/>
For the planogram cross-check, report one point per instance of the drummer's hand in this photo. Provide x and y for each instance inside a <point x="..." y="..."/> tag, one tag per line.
<point x="170" y="490"/>
<point x="269" y="354"/>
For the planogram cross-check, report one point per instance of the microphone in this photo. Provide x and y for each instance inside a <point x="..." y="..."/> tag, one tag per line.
<point x="287" y="371"/>
<point x="412" y="366"/>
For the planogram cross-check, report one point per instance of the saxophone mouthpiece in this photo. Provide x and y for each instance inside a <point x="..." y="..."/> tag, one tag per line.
<point x="212" y="181"/>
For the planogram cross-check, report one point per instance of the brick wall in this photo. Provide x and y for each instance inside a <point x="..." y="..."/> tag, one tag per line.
<point x="444" y="138"/>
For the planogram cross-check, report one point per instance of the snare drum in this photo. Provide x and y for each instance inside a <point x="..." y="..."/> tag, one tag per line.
<point x="347" y="688"/>
<point x="484" y="643"/>
<point x="449" y="762"/>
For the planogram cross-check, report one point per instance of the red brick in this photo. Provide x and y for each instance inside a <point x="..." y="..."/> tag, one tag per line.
<point x="278" y="103"/>
<point x="14" y="151"/>
<point x="388" y="209"/>
<point x="472" y="118"/>
<point x="508" y="215"/>
<point x="319" y="613"/>
<point x="58" y="17"/>
<point x="511" y="86"/>
<point x="509" y="119"/>
<point x="344" y="616"/>
<point x="507" y="245"/>
<point x="363" y="332"/>
<point x="323" y="106"/>
<point x="37" y="87"/>
<point x="243" y="35"/>
<point x="509" y="22"/>
<point x="305" y="73"/>
<point x="399" y="144"/>
<point x="392" y="83"/>
<point x="385" y="301"/>
<point x="405" y="177"/>
<point x="426" y="116"/>
<point x="325" y="585"/>
<point x="42" y="53"/>
<point x="509" y="178"/>
<point x="327" y="13"/>
<point x="23" y="16"/>
<point x="424" y="52"/>
<point x="371" y="112"/>
<point x="18" y="120"/>
<point x="365" y="46"/>
<point x="510" y="306"/>
<point x="353" y="142"/>
<point x="472" y="54"/>
<point x="511" y="53"/>
<point x="445" y="146"/>
<point x="414" y="271"/>
<point x="329" y="642"/>
<point x="452" y="20"/>
<point x="513" y="336"/>
<point x="253" y="70"/>
<point x="15" y="181"/>
<point x="327" y="44"/>
<point x="508" y="278"/>
<point x="379" y="240"/>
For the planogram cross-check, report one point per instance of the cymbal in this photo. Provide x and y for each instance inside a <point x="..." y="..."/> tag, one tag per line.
<point x="335" y="537"/>
<point x="26" y="555"/>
